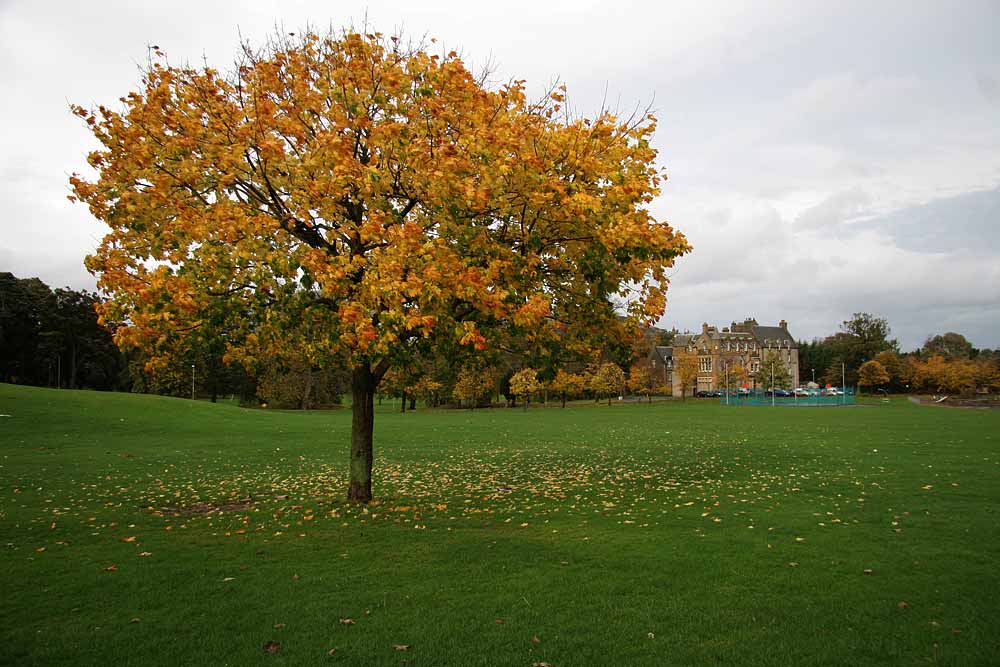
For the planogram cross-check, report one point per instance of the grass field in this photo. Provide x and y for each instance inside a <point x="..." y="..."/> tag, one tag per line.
<point x="147" y="530"/>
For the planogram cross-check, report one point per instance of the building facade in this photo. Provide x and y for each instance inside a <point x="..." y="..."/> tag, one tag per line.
<point x="735" y="350"/>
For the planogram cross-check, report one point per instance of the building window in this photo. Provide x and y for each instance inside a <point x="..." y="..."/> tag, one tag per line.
<point x="705" y="364"/>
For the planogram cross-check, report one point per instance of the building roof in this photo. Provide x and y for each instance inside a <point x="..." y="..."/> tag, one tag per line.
<point x="663" y="354"/>
<point x="773" y="335"/>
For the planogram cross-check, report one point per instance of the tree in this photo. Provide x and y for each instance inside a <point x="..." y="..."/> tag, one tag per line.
<point x="381" y="193"/>
<point x="524" y="383"/>
<point x="736" y="375"/>
<point x="640" y="380"/>
<point x="950" y="345"/>
<point x="772" y="372"/>
<point x="896" y="368"/>
<point x="608" y="379"/>
<point x="686" y="368"/>
<point x="567" y="384"/>
<point x="474" y="384"/>
<point x="872" y="374"/>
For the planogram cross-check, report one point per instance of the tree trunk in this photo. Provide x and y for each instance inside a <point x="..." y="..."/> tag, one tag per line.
<point x="72" y="366"/>
<point x="564" y="399"/>
<point x="402" y="402"/>
<point x="609" y="400"/>
<point x="413" y="403"/>
<point x="362" y="426"/>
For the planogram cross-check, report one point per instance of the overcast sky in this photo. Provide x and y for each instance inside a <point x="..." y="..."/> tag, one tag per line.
<point x="824" y="158"/>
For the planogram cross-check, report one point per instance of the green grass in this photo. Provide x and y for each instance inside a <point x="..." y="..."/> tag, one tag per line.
<point x="626" y="535"/>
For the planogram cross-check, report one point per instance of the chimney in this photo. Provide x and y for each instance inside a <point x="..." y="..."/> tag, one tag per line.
<point x="704" y="327"/>
<point x="783" y="324"/>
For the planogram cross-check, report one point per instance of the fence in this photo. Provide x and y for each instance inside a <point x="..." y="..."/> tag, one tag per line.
<point x="813" y="399"/>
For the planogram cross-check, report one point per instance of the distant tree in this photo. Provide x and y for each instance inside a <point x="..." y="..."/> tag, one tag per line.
<point x="568" y="384"/>
<point x="686" y="368"/>
<point x="949" y="345"/>
<point x="609" y="379"/>
<point x="872" y="374"/>
<point x="772" y="372"/>
<point x="523" y="384"/>
<point x="53" y="338"/>
<point x="871" y="332"/>
<point x="816" y="356"/>
<point x="896" y="367"/>
<point x="986" y="374"/>
<point x="475" y="384"/>
<point x="640" y="380"/>
<point x="736" y="375"/>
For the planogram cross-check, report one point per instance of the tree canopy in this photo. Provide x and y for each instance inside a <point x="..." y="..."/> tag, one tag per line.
<point x="369" y="194"/>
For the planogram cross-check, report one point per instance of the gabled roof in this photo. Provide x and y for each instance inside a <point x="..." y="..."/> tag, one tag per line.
<point x="663" y="354"/>
<point x="773" y="335"/>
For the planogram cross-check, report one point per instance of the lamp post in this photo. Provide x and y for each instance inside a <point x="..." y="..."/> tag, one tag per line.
<point x="814" y="375"/>
<point x="192" y="382"/>
<point x="726" y="364"/>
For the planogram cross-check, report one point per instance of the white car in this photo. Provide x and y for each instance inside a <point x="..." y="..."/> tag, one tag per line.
<point x="800" y="391"/>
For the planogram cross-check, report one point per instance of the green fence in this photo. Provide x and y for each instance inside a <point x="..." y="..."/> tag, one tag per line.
<point x="813" y="399"/>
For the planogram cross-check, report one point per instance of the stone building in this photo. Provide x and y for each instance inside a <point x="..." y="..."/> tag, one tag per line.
<point x="740" y="344"/>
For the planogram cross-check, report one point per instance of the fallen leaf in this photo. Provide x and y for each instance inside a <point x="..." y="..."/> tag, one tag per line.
<point x="499" y="621"/>
<point x="129" y="539"/>
<point x="956" y="632"/>
<point x="903" y="605"/>
<point x="146" y="553"/>
<point x="332" y="652"/>
<point x="651" y="635"/>
<point x="401" y="647"/>
<point x="347" y="621"/>
<point x="271" y="647"/>
<point x="536" y="640"/>
<point x="134" y="620"/>
<point x="229" y="579"/>
<point x="111" y="568"/>
<point x="869" y="571"/>
<point x="793" y="564"/>
<point x="540" y="664"/>
<point x="279" y="626"/>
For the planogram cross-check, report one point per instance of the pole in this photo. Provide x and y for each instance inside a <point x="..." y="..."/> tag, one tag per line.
<point x="192" y="382"/>
<point x="727" y="383"/>
<point x="772" y="385"/>
<point x="843" y="382"/>
<point x="59" y="372"/>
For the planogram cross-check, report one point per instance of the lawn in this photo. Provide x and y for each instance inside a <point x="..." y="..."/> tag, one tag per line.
<point x="148" y="530"/>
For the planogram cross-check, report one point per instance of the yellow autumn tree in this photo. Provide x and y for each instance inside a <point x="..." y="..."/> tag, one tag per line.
<point x="872" y="374"/>
<point x="640" y="380"/>
<point x="686" y="368"/>
<point x="379" y="194"/>
<point x="609" y="379"/>
<point x="568" y="384"/>
<point x="524" y="383"/>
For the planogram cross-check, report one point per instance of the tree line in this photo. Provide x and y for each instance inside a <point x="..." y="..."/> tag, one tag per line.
<point x="864" y="354"/>
<point x="52" y="338"/>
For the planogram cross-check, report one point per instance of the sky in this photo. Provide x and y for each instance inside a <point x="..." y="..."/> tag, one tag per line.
<point x="823" y="158"/>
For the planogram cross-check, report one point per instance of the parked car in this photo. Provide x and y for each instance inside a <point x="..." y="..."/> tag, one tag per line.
<point x="703" y="393"/>
<point x="801" y="392"/>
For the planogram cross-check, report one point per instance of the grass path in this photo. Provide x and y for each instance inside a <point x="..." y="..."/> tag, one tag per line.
<point x="147" y="530"/>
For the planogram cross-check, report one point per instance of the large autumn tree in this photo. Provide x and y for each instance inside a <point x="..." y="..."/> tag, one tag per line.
<point x="372" y="194"/>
